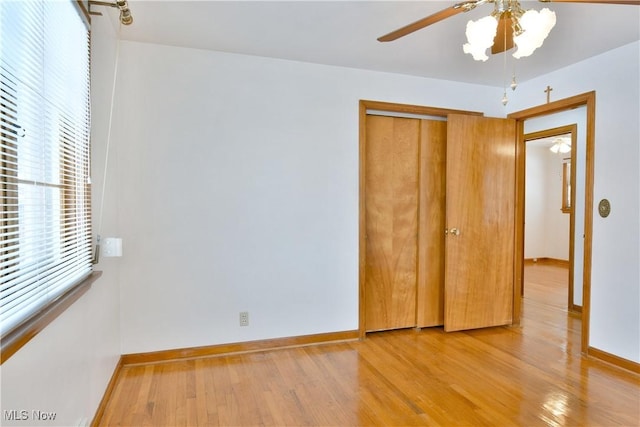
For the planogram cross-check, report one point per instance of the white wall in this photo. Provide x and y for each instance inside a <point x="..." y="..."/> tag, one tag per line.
<point x="557" y="222"/>
<point x="546" y="227"/>
<point x="615" y="277"/>
<point x="66" y="367"/>
<point x="534" y="215"/>
<point x="239" y="192"/>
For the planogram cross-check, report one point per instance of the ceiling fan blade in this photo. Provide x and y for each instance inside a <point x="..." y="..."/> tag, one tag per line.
<point x="629" y="2"/>
<point x="431" y="19"/>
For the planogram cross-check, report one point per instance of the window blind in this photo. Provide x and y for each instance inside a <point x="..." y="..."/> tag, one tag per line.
<point x="45" y="215"/>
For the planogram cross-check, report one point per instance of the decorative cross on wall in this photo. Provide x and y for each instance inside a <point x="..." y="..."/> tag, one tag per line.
<point x="548" y="92"/>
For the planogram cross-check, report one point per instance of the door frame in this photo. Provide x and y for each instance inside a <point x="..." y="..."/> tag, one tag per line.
<point x="546" y="133"/>
<point x="400" y="110"/>
<point x="588" y="100"/>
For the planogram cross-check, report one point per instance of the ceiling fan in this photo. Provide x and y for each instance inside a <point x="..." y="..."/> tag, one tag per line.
<point x="508" y="25"/>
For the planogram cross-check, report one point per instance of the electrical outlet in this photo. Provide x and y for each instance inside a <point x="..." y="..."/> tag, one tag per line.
<point x="244" y="318"/>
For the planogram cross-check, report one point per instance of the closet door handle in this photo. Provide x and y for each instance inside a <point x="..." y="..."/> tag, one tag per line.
<point x="454" y="231"/>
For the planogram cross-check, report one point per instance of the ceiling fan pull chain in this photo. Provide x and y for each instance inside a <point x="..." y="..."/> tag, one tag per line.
<point x="505" y="100"/>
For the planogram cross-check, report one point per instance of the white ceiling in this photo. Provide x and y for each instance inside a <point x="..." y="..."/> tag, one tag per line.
<point x="344" y="33"/>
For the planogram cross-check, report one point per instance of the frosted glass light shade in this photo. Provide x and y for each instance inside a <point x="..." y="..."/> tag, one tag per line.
<point x="480" y="35"/>
<point x="561" y="146"/>
<point x="536" y="27"/>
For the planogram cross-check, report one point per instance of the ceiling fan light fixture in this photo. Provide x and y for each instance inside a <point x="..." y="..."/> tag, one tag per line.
<point x="536" y="26"/>
<point x="480" y="35"/>
<point x="517" y="28"/>
<point x="561" y="145"/>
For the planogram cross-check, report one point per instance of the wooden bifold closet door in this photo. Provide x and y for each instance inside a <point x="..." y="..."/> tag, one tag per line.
<point x="404" y="222"/>
<point x="439" y="200"/>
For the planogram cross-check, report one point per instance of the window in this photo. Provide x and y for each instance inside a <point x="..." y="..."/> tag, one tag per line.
<point x="45" y="212"/>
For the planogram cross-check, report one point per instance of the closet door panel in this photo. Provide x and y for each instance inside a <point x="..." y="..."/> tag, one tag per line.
<point x="391" y="210"/>
<point x="479" y="263"/>
<point x="432" y="223"/>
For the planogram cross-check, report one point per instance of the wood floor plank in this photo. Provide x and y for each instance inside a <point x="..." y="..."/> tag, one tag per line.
<point x="531" y="375"/>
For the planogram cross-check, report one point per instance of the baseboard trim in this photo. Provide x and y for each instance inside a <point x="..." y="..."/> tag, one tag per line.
<point x="239" y="347"/>
<point x="547" y="261"/>
<point x="97" y="418"/>
<point x="614" y="360"/>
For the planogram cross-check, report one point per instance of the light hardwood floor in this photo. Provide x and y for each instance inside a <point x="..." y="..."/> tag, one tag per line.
<point x="528" y="375"/>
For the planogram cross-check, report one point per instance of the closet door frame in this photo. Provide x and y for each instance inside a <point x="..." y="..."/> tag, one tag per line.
<point x="401" y="110"/>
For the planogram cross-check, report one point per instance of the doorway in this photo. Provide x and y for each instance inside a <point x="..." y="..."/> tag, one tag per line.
<point x="584" y="101"/>
<point x="550" y="192"/>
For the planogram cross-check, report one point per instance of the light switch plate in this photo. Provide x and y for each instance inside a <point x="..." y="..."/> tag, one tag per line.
<point x="111" y="247"/>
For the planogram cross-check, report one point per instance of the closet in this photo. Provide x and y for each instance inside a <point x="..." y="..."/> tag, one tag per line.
<point x="437" y="218"/>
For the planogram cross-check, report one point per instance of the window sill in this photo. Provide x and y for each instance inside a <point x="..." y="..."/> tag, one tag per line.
<point x="17" y="338"/>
